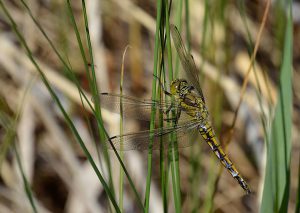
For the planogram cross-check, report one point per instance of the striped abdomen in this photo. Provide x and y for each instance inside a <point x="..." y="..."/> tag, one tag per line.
<point x="209" y="136"/>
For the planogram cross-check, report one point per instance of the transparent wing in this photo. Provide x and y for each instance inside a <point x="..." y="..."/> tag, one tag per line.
<point x="187" y="61"/>
<point x="140" y="140"/>
<point x="133" y="107"/>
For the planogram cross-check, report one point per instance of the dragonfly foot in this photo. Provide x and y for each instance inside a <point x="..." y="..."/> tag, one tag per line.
<point x="170" y="120"/>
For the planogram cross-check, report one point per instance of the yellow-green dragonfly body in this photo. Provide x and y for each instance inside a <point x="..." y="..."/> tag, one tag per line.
<point x="194" y="106"/>
<point x="191" y="114"/>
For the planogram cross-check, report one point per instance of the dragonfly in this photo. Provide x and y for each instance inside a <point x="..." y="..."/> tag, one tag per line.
<point x="191" y="114"/>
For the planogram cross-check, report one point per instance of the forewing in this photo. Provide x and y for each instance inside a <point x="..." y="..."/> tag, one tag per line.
<point x="187" y="61"/>
<point x="140" y="140"/>
<point x="133" y="107"/>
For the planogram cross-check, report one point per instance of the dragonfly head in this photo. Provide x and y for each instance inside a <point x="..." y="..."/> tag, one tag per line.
<point x="179" y="86"/>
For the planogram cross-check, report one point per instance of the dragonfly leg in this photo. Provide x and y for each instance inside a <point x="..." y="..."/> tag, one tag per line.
<point x="174" y="119"/>
<point x="169" y="109"/>
<point x="178" y="113"/>
<point x="169" y="120"/>
<point x="162" y="86"/>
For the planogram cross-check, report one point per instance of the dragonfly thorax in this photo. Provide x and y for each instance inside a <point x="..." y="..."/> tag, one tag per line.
<point x="189" y="101"/>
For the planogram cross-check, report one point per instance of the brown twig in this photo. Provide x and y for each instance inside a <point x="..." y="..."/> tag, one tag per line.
<point x="245" y="83"/>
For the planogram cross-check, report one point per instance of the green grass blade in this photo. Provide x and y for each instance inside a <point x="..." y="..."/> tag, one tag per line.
<point x="277" y="179"/>
<point x="298" y="193"/>
<point x="173" y="151"/>
<point x="94" y="89"/>
<point x="178" y="23"/>
<point x="152" y="124"/>
<point x="204" y="40"/>
<point x="187" y="23"/>
<point x="25" y="181"/>
<point x="121" y="178"/>
<point x="162" y="162"/>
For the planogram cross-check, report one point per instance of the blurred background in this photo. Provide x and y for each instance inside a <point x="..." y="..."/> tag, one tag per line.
<point x="51" y="155"/>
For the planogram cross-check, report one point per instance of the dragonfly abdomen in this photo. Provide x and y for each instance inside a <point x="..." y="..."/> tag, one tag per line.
<point x="210" y="138"/>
